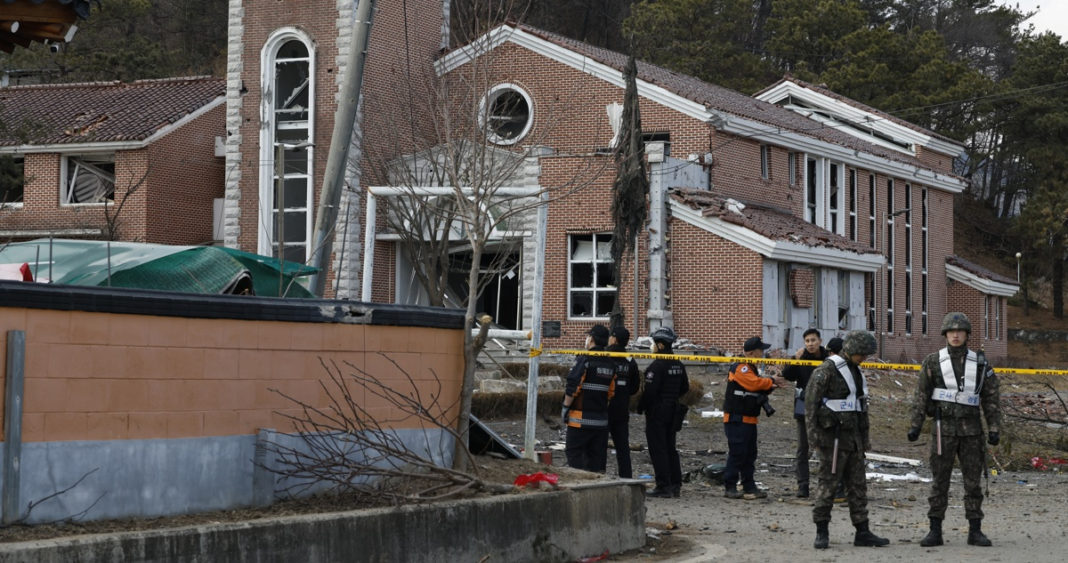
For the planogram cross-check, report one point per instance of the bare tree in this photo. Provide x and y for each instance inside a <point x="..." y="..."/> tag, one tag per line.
<point x="474" y="142"/>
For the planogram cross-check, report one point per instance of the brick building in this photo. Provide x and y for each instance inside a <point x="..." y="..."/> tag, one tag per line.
<point x="133" y="162"/>
<point x="770" y="214"/>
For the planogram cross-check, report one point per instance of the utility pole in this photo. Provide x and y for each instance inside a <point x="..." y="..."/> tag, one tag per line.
<point x="344" y="122"/>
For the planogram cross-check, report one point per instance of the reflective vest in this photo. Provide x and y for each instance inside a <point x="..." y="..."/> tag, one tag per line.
<point x="965" y="393"/>
<point x="851" y="403"/>
<point x="739" y="401"/>
<point x="589" y="409"/>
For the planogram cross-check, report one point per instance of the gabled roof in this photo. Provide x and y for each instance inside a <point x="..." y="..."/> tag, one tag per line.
<point x="852" y="111"/>
<point x="977" y="277"/>
<point x="44" y="118"/>
<point x="774" y="233"/>
<point x="723" y="108"/>
<point x="25" y="21"/>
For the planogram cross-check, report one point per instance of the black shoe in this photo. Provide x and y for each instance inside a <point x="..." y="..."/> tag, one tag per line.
<point x="659" y="493"/>
<point x="976" y="536"/>
<point x="754" y="494"/>
<point x="732" y="493"/>
<point x="676" y="491"/>
<point x="864" y="538"/>
<point x="934" y="537"/>
<point x="802" y="490"/>
<point x="822" y="536"/>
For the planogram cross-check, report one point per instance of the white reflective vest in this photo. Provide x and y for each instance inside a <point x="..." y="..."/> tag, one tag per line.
<point x="966" y="394"/>
<point x="850" y="403"/>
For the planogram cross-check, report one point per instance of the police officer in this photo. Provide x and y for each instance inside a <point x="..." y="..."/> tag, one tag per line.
<point x="628" y="379"/>
<point x="958" y="388"/>
<point x="665" y="382"/>
<point x="813" y="350"/>
<point x="836" y="412"/>
<point x="746" y="391"/>
<point x="590" y="385"/>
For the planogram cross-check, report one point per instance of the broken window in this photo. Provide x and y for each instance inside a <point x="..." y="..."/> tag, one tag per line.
<point x="12" y="179"/>
<point x="506" y="114"/>
<point x="88" y="179"/>
<point x="286" y="190"/>
<point x="591" y="287"/>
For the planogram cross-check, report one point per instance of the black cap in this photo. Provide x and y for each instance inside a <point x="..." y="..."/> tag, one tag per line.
<point x="755" y="343"/>
<point x="622" y="335"/>
<point x="835" y="344"/>
<point x="599" y="333"/>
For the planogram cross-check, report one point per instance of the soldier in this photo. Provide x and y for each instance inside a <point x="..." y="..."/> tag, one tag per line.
<point x="836" y="412"/>
<point x="958" y="388"/>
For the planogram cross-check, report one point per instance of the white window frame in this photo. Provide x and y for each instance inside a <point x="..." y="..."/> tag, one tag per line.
<point x="267" y="211"/>
<point x="791" y="161"/>
<point x="925" y="256"/>
<point x="908" y="260"/>
<point x="820" y="212"/>
<point x="596" y="258"/>
<point x="484" y="118"/>
<point x="65" y="165"/>
<point x="889" y="256"/>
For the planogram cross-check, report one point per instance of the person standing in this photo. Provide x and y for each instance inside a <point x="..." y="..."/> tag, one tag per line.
<point x="665" y="382"/>
<point x="958" y="388"/>
<point x="627" y="382"/>
<point x="590" y="385"/>
<point x="813" y="350"/>
<point x="836" y="410"/>
<point x="746" y="392"/>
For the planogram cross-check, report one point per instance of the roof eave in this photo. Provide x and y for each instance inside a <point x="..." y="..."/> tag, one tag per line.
<point x="784" y="251"/>
<point x="983" y="285"/>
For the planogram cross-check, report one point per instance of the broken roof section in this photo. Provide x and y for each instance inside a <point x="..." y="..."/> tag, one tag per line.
<point x="977" y="277"/>
<point x="771" y="232"/>
<point x="40" y="117"/>
<point x="182" y="269"/>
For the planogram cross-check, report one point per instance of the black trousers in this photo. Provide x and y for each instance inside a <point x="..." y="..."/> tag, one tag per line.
<point x="587" y="448"/>
<point x="619" y="429"/>
<point x="741" y="455"/>
<point x="660" y="435"/>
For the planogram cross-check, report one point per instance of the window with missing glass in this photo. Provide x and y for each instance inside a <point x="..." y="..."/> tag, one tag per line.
<point x="12" y="179"/>
<point x="591" y="287"/>
<point x="506" y="114"/>
<point x="87" y="179"/>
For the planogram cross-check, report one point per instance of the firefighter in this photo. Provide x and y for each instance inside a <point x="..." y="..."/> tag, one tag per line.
<point x="590" y="385"/>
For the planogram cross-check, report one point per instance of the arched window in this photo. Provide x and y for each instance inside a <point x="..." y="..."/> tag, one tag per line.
<point x="287" y="115"/>
<point x="507" y="114"/>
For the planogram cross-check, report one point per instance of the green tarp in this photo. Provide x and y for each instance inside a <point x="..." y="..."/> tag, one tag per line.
<point x="185" y="269"/>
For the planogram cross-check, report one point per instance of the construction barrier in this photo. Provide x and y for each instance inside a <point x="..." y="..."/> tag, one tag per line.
<point x="772" y="361"/>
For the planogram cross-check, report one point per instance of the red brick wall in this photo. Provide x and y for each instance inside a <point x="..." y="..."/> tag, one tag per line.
<point x="185" y="177"/>
<point x="716" y="288"/>
<point x="991" y="338"/>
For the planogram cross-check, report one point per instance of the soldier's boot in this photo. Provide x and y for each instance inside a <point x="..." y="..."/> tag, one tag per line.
<point x="933" y="537"/>
<point x="823" y="535"/>
<point x="975" y="535"/>
<point x="864" y="537"/>
<point x="802" y="490"/>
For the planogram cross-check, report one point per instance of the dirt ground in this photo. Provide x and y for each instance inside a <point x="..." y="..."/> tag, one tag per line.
<point x="1026" y="514"/>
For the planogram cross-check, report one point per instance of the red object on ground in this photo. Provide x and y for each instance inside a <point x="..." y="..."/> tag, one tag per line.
<point x="1043" y="464"/>
<point x="539" y="477"/>
<point x="593" y="558"/>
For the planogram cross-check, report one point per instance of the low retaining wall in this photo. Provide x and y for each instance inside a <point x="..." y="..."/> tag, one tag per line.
<point x="539" y="526"/>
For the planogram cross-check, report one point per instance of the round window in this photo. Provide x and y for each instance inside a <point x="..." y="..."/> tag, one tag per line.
<point x="506" y="114"/>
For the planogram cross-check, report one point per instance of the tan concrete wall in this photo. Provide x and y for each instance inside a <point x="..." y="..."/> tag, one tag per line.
<point x="103" y="376"/>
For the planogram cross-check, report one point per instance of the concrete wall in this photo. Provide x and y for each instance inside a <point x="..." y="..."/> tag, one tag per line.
<point x="160" y="412"/>
<point x="550" y="526"/>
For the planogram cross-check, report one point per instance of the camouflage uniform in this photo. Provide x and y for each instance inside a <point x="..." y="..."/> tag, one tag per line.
<point x="962" y="430"/>
<point x="851" y="429"/>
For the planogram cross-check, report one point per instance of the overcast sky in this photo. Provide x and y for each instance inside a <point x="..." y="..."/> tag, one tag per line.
<point x="1052" y="15"/>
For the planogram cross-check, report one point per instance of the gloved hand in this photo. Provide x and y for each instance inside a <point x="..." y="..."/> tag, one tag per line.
<point x="914" y="434"/>
<point x="993" y="438"/>
<point x="563" y="414"/>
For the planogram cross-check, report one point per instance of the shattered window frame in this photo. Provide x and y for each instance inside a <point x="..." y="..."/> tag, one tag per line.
<point x="87" y="179"/>
<point x="590" y="293"/>
<point x="12" y="180"/>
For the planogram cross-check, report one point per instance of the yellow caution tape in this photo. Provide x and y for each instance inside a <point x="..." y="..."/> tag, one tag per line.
<point x="772" y="361"/>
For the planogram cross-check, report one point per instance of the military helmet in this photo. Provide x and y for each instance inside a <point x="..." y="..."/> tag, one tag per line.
<point x="956" y="321"/>
<point x="858" y="342"/>
<point x="664" y="334"/>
